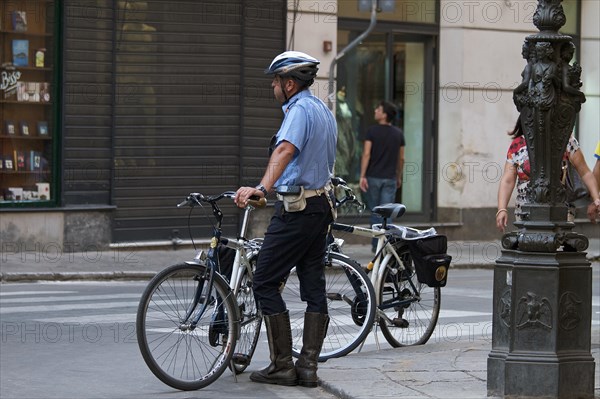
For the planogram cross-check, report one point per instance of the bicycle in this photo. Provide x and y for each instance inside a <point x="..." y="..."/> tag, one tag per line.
<point x="407" y="272"/>
<point x="190" y="328"/>
<point x="194" y="320"/>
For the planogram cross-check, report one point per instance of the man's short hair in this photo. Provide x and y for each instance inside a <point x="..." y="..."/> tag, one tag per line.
<point x="390" y="110"/>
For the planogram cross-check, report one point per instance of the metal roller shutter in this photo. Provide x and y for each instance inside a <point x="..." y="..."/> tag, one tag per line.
<point x="87" y="102"/>
<point x="192" y="109"/>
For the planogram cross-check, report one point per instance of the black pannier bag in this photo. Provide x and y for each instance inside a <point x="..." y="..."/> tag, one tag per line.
<point x="430" y="259"/>
<point x="226" y="259"/>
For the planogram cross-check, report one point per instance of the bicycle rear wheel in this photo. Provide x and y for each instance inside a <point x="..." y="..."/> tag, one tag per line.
<point x="410" y="309"/>
<point x="181" y="353"/>
<point x="350" y="303"/>
<point x="250" y="322"/>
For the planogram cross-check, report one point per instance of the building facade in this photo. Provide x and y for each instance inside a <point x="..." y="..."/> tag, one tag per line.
<point x="151" y="100"/>
<point x="450" y="67"/>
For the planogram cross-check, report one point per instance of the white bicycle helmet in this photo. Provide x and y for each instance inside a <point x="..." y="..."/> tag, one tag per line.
<point x="294" y="64"/>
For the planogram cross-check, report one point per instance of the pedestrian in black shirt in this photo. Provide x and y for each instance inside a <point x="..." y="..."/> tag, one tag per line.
<point x="382" y="160"/>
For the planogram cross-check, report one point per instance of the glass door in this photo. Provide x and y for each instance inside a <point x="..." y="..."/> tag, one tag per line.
<point x="398" y="68"/>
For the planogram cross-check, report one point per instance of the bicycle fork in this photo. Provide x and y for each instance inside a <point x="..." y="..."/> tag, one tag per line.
<point x="195" y="313"/>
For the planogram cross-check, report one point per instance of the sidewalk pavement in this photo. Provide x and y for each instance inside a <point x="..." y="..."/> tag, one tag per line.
<point x="19" y="262"/>
<point x="440" y="369"/>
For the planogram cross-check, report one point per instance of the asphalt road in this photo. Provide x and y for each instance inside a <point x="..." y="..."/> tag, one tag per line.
<point x="77" y="340"/>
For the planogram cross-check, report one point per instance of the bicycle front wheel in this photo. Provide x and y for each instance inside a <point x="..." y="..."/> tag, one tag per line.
<point x="408" y="309"/>
<point x="350" y="304"/>
<point x="186" y="326"/>
<point x="250" y="322"/>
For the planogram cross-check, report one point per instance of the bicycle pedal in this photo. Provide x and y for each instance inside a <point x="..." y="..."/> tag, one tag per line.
<point x="241" y="359"/>
<point x="334" y="296"/>
<point x="402" y="323"/>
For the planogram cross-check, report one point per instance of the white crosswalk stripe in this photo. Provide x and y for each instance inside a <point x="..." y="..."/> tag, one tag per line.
<point x="76" y="307"/>
<point x="22" y="293"/>
<point x="72" y="306"/>
<point x="70" y="298"/>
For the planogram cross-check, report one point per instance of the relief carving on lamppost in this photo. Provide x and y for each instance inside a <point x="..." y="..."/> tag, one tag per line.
<point x="548" y="100"/>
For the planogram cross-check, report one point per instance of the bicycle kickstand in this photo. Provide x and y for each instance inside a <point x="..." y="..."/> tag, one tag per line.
<point x="232" y="367"/>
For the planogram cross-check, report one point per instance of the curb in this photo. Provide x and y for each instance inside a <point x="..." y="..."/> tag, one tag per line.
<point x="75" y="276"/>
<point x="332" y="389"/>
<point x="15" y="277"/>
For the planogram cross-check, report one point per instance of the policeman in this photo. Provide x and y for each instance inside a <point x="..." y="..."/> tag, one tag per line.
<point x="299" y="170"/>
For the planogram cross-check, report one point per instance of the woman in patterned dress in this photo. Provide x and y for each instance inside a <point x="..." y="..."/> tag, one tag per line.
<point x="517" y="169"/>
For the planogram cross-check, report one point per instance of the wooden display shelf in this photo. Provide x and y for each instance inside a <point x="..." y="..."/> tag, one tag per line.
<point x="26" y="33"/>
<point x="26" y="102"/>
<point x="23" y="172"/>
<point x="21" y="137"/>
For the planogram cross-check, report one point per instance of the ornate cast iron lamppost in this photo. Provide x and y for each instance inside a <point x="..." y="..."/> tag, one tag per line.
<point x="543" y="282"/>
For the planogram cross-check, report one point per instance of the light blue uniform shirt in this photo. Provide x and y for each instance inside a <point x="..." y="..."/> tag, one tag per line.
<point x="310" y="126"/>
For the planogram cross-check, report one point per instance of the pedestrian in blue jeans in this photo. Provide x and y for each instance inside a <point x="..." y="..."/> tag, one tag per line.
<point x="382" y="160"/>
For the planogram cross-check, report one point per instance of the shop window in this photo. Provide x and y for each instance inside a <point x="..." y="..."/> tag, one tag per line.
<point x="27" y="102"/>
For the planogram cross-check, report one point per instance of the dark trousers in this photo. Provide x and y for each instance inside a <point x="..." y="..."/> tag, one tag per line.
<point x="294" y="239"/>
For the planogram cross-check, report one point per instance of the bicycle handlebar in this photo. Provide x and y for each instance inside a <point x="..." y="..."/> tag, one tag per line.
<point x="197" y="198"/>
<point x="260" y="202"/>
<point x="349" y="196"/>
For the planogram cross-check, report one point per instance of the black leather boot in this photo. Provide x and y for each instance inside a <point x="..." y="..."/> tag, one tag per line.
<point x="281" y="371"/>
<point x="315" y="329"/>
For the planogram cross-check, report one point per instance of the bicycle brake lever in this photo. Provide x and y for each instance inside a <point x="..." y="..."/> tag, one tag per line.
<point x="191" y="199"/>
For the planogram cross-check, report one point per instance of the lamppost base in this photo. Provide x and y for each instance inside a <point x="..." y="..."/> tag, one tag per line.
<point x="541" y="332"/>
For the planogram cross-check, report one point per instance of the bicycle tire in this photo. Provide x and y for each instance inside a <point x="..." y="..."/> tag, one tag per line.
<point x="414" y="321"/>
<point x="351" y="308"/>
<point x="250" y="323"/>
<point x="182" y="357"/>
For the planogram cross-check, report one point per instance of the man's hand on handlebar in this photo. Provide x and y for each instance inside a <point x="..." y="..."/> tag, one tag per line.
<point x="243" y="194"/>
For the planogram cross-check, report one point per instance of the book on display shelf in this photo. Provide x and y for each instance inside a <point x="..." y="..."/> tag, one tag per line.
<point x="8" y="163"/>
<point x="19" y="21"/>
<point x="9" y="128"/>
<point x="35" y="160"/>
<point x="19" y="159"/>
<point x="42" y="128"/>
<point x="40" y="54"/>
<point x="24" y="128"/>
<point x="20" y="51"/>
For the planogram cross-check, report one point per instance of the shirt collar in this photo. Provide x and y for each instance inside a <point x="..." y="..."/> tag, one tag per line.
<point x="289" y="103"/>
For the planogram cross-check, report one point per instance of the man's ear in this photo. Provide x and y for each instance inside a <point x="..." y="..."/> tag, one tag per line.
<point x="290" y="85"/>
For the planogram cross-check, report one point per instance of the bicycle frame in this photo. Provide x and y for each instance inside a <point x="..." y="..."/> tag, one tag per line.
<point x="384" y="252"/>
<point x="241" y="245"/>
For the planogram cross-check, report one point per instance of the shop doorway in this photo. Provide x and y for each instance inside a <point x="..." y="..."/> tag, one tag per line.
<point x="399" y="68"/>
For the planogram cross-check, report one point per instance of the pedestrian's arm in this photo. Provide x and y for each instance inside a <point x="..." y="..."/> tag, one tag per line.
<point x="578" y="161"/>
<point x="505" y="190"/>
<point x="281" y="157"/>
<point x="364" y="163"/>
<point x="597" y="171"/>
<point x="400" y="167"/>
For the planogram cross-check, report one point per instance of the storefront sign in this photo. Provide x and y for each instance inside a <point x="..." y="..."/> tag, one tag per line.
<point x="9" y="82"/>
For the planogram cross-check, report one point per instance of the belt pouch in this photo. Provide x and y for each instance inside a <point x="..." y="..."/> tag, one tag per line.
<point x="294" y="202"/>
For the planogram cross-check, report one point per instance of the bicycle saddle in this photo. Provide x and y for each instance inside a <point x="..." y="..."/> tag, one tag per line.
<point x="390" y="210"/>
